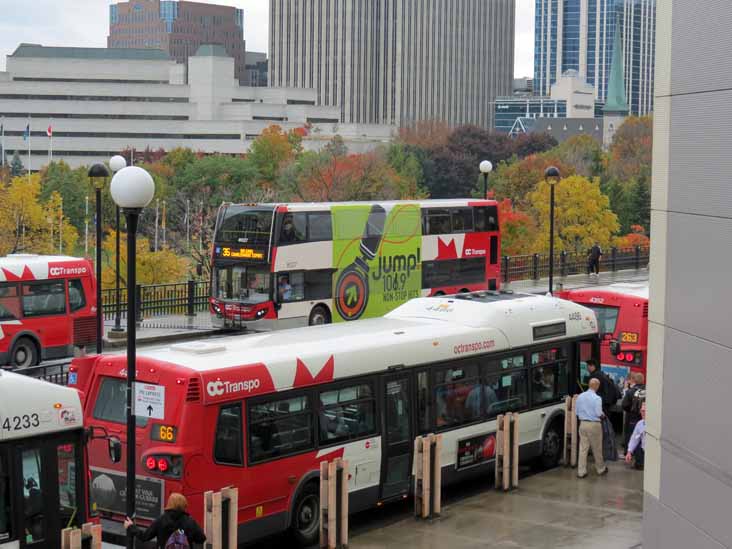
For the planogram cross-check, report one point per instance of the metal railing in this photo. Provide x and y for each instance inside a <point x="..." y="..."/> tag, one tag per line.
<point x="536" y="266"/>
<point x="57" y="373"/>
<point x="191" y="297"/>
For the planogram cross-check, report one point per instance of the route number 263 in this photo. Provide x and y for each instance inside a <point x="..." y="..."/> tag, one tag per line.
<point x="629" y="337"/>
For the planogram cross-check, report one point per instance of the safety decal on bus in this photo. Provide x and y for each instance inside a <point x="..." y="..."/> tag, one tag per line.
<point x="377" y="257"/>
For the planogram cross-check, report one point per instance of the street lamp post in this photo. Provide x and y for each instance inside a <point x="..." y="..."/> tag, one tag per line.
<point x="116" y="163"/>
<point x="98" y="173"/>
<point x="486" y="167"/>
<point x="552" y="177"/>
<point x="132" y="189"/>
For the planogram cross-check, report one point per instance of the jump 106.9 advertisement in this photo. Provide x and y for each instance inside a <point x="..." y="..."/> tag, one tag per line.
<point x="377" y="259"/>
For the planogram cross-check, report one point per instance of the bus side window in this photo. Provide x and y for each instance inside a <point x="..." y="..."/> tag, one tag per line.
<point x="34" y="518"/>
<point x="228" y="446"/>
<point x="9" y="302"/>
<point x="77" y="299"/>
<point x="319" y="226"/>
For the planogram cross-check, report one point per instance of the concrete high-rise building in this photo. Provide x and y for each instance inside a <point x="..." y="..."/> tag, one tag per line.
<point x="579" y="35"/>
<point x="178" y="28"/>
<point x="688" y="466"/>
<point x="396" y="61"/>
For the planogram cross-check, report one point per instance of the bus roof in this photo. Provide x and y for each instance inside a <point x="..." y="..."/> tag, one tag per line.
<point x="421" y="331"/>
<point x="41" y="267"/>
<point x="30" y="407"/>
<point x="432" y="203"/>
<point x="634" y="289"/>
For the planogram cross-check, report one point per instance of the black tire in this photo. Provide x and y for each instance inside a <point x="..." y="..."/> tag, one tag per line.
<point x="440" y="293"/>
<point x="305" y="524"/>
<point x="24" y="353"/>
<point x="551" y="445"/>
<point x="319" y="315"/>
<point x="464" y="291"/>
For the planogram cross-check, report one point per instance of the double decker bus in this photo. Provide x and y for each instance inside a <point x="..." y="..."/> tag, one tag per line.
<point x="47" y="307"/>
<point x="262" y="411"/>
<point x="287" y="265"/>
<point x="622" y="317"/>
<point x="42" y="480"/>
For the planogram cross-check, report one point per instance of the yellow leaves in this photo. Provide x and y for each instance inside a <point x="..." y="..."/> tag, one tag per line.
<point x="582" y="215"/>
<point x="30" y="225"/>
<point x="161" y="267"/>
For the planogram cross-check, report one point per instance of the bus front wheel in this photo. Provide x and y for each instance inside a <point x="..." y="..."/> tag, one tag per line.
<point x="306" y="515"/>
<point x="320" y="315"/>
<point x="551" y="445"/>
<point x="24" y="353"/>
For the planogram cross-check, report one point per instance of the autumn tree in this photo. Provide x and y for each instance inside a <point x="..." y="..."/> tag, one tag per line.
<point x="518" y="229"/>
<point x="425" y="134"/>
<point x="582" y="215"/>
<point x="636" y="237"/>
<point x="583" y="153"/>
<point x="630" y="153"/>
<point x="272" y="151"/>
<point x="161" y="267"/>
<point x="517" y="179"/>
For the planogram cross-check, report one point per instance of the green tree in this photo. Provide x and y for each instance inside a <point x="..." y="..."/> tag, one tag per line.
<point x="16" y="165"/>
<point x="517" y="179"/>
<point x="582" y="215"/>
<point x="639" y="203"/>
<point x="631" y="152"/>
<point x="583" y="153"/>
<point x="272" y="151"/>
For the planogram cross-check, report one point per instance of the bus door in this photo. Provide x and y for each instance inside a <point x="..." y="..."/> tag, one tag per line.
<point x="398" y="438"/>
<point x="46" y="490"/>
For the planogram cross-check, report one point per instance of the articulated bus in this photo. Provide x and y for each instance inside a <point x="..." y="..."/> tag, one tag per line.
<point x="42" y="480"/>
<point x="47" y="307"/>
<point x="287" y="265"/>
<point x="622" y="317"/>
<point x="262" y="411"/>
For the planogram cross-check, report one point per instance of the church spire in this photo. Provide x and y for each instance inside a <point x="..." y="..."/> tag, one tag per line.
<point x="616" y="101"/>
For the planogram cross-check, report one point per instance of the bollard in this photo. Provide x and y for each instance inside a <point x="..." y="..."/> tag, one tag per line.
<point x="220" y="527"/>
<point x="231" y="519"/>
<point x="191" y="298"/>
<point x="569" y="446"/>
<point x="637" y="258"/>
<point x="506" y="266"/>
<point x="614" y="258"/>
<point x="507" y="452"/>
<point x="563" y="264"/>
<point x="427" y="476"/>
<point x="334" y="504"/>
<point x="70" y="538"/>
<point x="535" y="266"/>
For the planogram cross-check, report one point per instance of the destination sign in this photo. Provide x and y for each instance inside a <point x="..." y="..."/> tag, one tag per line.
<point x="240" y="253"/>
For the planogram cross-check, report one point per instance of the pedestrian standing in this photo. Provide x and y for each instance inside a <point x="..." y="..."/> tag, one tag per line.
<point x="608" y="391"/>
<point x="593" y="260"/>
<point x="632" y="402"/>
<point x="589" y="412"/>
<point x="637" y="443"/>
<point x="174" y="528"/>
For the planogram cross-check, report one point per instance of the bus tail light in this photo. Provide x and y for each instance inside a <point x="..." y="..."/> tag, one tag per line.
<point x="621" y="357"/>
<point x="165" y="465"/>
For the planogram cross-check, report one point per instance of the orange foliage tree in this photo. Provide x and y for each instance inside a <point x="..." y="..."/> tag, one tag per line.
<point x="636" y="237"/>
<point x="516" y="180"/>
<point x="630" y="154"/>
<point x="518" y="230"/>
<point x="426" y="134"/>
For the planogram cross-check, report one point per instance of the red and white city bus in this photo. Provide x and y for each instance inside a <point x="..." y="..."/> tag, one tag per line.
<point x="43" y="485"/>
<point x="261" y="411"/>
<point x="47" y="307"/>
<point x="290" y="265"/>
<point x="622" y="317"/>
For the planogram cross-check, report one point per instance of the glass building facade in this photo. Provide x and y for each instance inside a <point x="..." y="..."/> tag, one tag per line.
<point x="578" y="35"/>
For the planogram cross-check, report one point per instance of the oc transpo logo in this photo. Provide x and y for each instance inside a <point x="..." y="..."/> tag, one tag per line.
<point x="220" y="388"/>
<point x="58" y="271"/>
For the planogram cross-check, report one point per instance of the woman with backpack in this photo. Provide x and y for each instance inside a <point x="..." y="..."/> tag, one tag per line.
<point x="174" y="529"/>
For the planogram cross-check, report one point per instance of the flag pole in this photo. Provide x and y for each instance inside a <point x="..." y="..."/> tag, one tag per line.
<point x="50" y="138"/>
<point x="2" y="141"/>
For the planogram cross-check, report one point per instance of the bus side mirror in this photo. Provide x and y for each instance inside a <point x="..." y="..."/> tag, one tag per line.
<point x="614" y="347"/>
<point x="115" y="450"/>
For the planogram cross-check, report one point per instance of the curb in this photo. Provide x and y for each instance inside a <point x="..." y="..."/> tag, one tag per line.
<point x="149" y="340"/>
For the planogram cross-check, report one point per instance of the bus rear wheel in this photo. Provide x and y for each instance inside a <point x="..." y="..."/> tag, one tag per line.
<point x="24" y="353"/>
<point x="551" y="446"/>
<point x="306" y="516"/>
<point x="320" y="315"/>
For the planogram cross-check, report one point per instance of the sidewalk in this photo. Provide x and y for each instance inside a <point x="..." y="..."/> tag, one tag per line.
<point x="578" y="281"/>
<point x="162" y="329"/>
<point x="554" y="509"/>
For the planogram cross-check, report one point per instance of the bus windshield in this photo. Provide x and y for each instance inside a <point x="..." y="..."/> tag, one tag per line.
<point x="607" y="317"/>
<point x="245" y="283"/>
<point x="245" y="225"/>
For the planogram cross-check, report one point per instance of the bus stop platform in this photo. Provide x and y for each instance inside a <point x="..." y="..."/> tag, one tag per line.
<point x="553" y="509"/>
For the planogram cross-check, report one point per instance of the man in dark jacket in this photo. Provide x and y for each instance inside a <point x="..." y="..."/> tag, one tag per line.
<point x="632" y="401"/>
<point x="173" y="519"/>
<point x="608" y="391"/>
<point x="593" y="260"/>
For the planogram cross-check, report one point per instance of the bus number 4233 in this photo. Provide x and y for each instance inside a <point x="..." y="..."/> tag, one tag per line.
<point x="16" y="423"/>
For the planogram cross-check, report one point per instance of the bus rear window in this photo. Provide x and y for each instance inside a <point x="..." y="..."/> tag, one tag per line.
<point x="112" y="402"/>
<point x="607" y="318"/>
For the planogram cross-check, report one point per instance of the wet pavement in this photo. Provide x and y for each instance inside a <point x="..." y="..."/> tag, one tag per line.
<point x="554" y="509"/>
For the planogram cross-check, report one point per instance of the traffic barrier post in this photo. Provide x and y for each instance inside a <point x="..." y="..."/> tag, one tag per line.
<point x="507" y="452"/>
<point x="215" y="524"/>
<point x="334" y="504"/>
<point x="191" y="298"/>
<point x="535" y="267"/>
<point x="569" y="447"/>
<point x="71" y="538"/>
<point x="428" y="476"/>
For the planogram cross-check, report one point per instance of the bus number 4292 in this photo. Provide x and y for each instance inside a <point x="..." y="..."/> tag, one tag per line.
<point x="16" y="423"/>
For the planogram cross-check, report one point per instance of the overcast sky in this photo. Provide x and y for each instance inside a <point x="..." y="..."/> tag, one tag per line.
<point x="85" y="23"/>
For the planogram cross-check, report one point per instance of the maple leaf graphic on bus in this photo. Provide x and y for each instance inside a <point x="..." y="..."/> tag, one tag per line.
<point x="446" y="251"/>
<point x="304" y="377"/>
